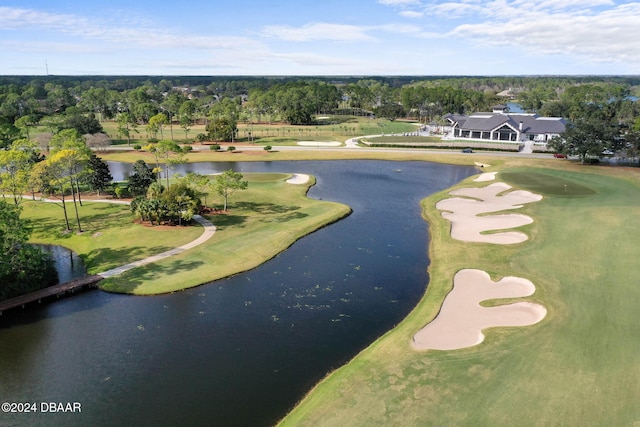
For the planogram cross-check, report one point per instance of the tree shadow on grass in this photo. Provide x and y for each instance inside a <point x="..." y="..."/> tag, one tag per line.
<point x="227" y="220"/>
<point x="145" y="275"/>
<point x="110" y="217"/>
<point x="109" y="258"/>
<point x="266" y="208"/>
<point x="291" y="216"/>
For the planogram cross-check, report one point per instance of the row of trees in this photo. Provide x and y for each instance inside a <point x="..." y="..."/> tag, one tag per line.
<point x="156" y="107"/>
<point x="601" y="118"/>
<point x="70" y="166"/>
<point x="165" y="108"/>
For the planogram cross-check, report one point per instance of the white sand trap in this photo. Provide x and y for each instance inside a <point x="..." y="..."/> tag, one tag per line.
<point x="468" y="222"/>
<point x="320" y="143"/>
<point x="298" y="178"/>
<point x="487" y="176"/>
<point x="462" y="319"/>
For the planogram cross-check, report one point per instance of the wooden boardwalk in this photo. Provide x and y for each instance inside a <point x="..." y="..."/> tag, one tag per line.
<point x="51" y="291"/>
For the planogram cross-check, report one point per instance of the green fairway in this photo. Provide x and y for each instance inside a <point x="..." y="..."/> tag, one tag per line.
<point x="547" y="184"/>
<point x="579" y="366"/>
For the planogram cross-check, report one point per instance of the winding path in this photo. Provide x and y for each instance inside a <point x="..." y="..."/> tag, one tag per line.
<point x="209" y="230"/>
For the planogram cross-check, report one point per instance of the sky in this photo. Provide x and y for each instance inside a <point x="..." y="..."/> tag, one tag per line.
<point x="322" y="37"/>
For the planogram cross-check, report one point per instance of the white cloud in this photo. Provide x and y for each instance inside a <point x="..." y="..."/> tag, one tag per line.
<point x="49" y="46"/>
<point x="398" y="2"/>
<point x="137" y="34"/>
<point x="317" y="31"/>
<point x="604" y="36"/>
<point x="411" y="14"/>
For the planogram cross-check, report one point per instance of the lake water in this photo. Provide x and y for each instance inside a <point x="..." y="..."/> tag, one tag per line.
<point x="240" y="351"/>
<point x="68" y="264"/>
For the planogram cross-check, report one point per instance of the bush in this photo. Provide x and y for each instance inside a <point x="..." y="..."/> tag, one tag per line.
<point x="153" y="140"/>
<point x="214" y="147"/>
<point x="231" y="148"/>
<point x="137" y="147"/>
<point x="267" y="148"/>
<point x="121" y="192"/>
<point x="201" y="137"/>
<point x="187" y="148"/>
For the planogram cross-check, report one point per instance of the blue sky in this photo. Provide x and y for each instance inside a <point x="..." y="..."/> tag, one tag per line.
<point x="322" y="37"/>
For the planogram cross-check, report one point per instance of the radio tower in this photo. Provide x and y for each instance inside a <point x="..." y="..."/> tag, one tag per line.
<point x="46" y="66"/>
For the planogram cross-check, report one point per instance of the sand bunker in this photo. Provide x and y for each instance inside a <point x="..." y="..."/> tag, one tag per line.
<point x="487" y="176"/>
<point x="298" y="178"/>
<point x="319" y="143"/>
<point x="461" y="319"/>
<point x="468" y="222"/>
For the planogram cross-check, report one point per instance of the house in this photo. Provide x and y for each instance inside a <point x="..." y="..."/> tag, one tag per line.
<point x="499" y="125"/>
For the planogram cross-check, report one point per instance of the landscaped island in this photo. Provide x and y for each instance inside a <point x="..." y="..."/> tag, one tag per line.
<point x="261" y="222"/>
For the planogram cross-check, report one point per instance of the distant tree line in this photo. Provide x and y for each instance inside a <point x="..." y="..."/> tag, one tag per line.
<point x="156" y="105"/>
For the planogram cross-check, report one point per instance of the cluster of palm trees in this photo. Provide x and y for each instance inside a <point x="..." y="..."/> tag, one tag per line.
<point x="173" y="205"/>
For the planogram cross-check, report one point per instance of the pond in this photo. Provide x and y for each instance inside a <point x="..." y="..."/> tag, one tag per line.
<point x="244" y="350"/>
<point x="68" y="264"/>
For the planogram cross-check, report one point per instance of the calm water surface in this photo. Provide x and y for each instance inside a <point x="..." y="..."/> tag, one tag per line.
<point x="240" y="351"/>
<point x="68" y="264"/>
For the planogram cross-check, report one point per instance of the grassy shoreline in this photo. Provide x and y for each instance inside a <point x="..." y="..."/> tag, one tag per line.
<point x="577" y="367"/>
<point x="573" y="368"/>
<point x="263" y="221"/>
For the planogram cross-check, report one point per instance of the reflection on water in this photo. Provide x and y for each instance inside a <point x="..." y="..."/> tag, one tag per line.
<point x="68" y="264"/>
<point x="244" y="350"/>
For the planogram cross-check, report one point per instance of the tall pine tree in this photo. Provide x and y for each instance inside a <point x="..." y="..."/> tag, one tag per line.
<point x="99" y="177"/>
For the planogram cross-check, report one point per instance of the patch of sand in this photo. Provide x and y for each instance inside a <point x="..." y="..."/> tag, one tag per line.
<point x="320" y="143"/>
<point x="487" y="176"/>
<point x="462" y="319"/>
<point x="298" y="178"/>
<point x="467" y="213"/>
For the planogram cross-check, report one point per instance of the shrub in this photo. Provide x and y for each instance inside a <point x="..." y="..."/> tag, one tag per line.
<point x="267" y="148"/>
<point x="231" y="148"/>
<point x="214" y="147"/>
<point x="121" y="192"/>
<point x="137" y="147"/>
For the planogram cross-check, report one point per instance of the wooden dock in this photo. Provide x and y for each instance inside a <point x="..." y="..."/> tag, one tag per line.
<point x="51" y="291"/>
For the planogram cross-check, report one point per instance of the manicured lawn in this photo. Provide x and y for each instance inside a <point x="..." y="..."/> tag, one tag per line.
<point x="338" y="128"/>
<point x="579" y="366"/>
<point x="262" y="222"/>
<point x="110" y="238"/>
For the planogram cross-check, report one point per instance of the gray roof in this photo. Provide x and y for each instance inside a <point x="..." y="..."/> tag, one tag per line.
<point x="487" y="122"/>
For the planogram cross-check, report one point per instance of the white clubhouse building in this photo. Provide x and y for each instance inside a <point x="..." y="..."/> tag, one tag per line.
<point x="501" y="126"/>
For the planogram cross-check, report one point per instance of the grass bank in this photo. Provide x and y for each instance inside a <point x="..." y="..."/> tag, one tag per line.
<point x="110" y="237"/>
<point x="262" y="222"/>
<point x="579" y="366"/>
